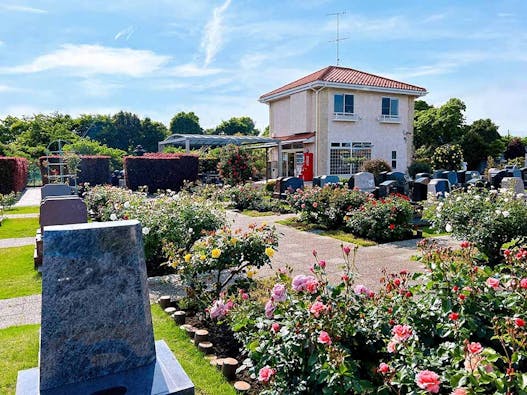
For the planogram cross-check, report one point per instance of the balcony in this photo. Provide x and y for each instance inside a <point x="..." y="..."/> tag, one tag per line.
<point x="345" y="116"/>
<point x="389" y="118"/>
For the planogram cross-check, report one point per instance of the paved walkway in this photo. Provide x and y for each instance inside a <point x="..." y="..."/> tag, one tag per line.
<point x="28" y="215"/>
<point x="18" y="242"/>
<point x="30" y="197"/>
<point x="20" y="311"/>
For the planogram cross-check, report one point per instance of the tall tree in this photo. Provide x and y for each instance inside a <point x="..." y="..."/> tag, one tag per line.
<point x="515" y="149"/>
<point x="152" y="132"/>
<point x="185" y="123"/>
<point x="126" y="131"/>
<point x="237" y="125"/>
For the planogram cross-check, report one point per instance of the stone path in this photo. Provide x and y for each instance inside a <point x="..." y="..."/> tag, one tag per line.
<point x="28" y="215"/>
<point x="18" y="242"/>
<point x="30" y="197"/>
<point x="20" y="311"/>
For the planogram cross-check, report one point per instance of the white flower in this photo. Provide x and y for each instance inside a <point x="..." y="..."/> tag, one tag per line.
<point x="146" y="230"/>
<point x="505" y="213"/>
<point x="477" y="197"/>
<point x="458" y="199"/>
<point x="448" y="228"/>
<point x="498" y="212"/>
<point x="438" y="215"/>
<point x="506" y="200"/>
<point x="113" y="217"/>
<point x="190" y="230"/>
<point x="126" y="204"/>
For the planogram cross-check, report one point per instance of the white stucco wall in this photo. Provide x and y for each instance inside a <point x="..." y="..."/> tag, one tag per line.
<point x="279" y="117"/>
<point x="292" y="115"/>
<point x="384" y="137"/>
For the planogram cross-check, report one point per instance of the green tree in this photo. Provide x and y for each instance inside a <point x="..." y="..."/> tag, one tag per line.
<point x="237" y="125"/>
<point x="185" y="123"/>
<point x="421" y="105"/>
<point x="87" y="146"/>
<point x="515" y="149"/>
<point x="152" y="132"/>
<point x="126" y="131"/>
<point x="474" y="148"/>
<point x="448" y="157"/>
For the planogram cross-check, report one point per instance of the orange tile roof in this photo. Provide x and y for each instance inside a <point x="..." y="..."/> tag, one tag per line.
<point x="344" y="75"/>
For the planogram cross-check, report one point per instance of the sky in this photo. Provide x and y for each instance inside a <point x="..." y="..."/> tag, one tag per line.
<point x="159" y="57"/>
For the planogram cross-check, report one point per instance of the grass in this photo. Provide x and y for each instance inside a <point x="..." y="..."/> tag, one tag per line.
<point x="255" y="213"/>
<point x="23" y="210"/>
<point x="336" y="234"/>
<point x="19" y="350"/>
<point x="18" y="227"/>
<point x="430" y="232"/>
<point x="17" y="276"/>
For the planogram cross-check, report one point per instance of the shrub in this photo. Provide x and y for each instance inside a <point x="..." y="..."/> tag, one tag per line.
<point x="245" y="197"/>
<point x="7" y="201"/>
<point x="486" y="218"/>
<point x="234" y="165"/>
<point x="91" y="148"/>
<point x="175" y="220"/>
<point x="459" y="326"/>
<point x="13" y="174"/>
<point x="160" y="171"/>
<point x="91" y="169"/>
<point x="376" y="166"/>
<point x="382" y="220"/>
<point x="218" y="259"/>
<point x="419" y="167"/>
<point x="326" y="206"/>
<point x="448" y="157"/>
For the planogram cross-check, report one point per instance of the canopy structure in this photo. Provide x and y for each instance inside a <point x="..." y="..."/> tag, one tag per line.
<point x="190" y="141"/>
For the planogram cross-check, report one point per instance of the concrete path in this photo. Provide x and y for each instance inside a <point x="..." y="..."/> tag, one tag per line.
<point x="28" y="215"/>
<point x="18" y="242"/>
<point x="20" y="311"/>
<point x="30" y="197"/>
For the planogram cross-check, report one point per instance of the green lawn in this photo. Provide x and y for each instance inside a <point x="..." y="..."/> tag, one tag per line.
<point x="254" y="213"/>
<point x="17" y="275"/>
<point x="19" y="350"/>
<point x="430" y="232"/>
<point x="18" y="227"/>
<point x="23" y="210"/>
<point x="336" y="234"/>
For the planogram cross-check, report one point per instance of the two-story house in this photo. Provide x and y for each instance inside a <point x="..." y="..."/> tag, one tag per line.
<point x="343" y="116"/>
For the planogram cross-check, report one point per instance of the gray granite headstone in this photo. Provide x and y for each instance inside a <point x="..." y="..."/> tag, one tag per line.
<point x="439" y="187"/>
<point x="514" y="184"/>
<point x="54" y="190"/>
<point x="96" y="332"/>
<point x="364" y="181"/>
<point x="63" y="210"/>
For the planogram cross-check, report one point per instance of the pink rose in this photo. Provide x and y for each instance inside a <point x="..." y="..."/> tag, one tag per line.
<point x="401" y="332"/>
<point x="322" y="264"/>
<point x="279" y="293"/>
<point x="218" y="309"/>
<point x="302" y="283"/>
<point x="275" y="327"/>
<point x="346" y="250"/>
<point x="315" y="204"/>
<point x="523" y="283"/>
<point x="460" y="391"/>
<point x="383" y="368"/>
<point x="493" y="282"/>
<point x="311" y="285"/>
<point x="317" y="308"/>
<point x="270" y="307"/>
<point x="265" y="374"/>
<point x="474" y="348"/>
<point x="360" y="289"/>
<point x="428" y="380"/>
<point x="392" y="347"/>
<point x="324" y="338"/>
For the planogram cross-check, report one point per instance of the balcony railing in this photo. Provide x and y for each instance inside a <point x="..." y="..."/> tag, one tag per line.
<point x="389" y="118"/>
<point x="345" y="116"/>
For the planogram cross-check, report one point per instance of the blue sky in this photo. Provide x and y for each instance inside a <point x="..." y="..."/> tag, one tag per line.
<point x="216" y="58"/>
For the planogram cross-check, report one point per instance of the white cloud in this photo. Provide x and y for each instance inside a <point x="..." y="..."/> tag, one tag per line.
<point x="98" y="88"/>
<point x="94" y="59"/>
<point x="213" y="35"/>
<point x="22" y="8"/>
<point x="5" y="88"/>
<point x="192" y="70"/>
<point x="125" y="33"/>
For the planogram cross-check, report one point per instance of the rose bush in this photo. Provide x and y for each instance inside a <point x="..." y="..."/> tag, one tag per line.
<point x="487" y="218"/>
<point x="449" y="330"/>
<point x="251" y="197"/>
<point x="234" y="165"/>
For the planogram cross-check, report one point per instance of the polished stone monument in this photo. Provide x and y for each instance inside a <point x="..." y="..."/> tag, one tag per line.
<point x="55" y="190"/>
<point x="364" y="181"/>
<point x="96" y="335"/>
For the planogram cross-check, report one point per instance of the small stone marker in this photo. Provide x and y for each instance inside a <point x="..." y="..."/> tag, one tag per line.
<point x="229" y="367"/>
<point x="514" y="184"/>
<point x="438" y="187"/>
<point x="242" y="386"/>
<point x="205" y="347"/>
<point x="364" y="181"/>
<point x="201" y="335"/>
<point x="96" y="334"/>
<point x="179" y="317"/>
<point x="54" y="190"/>
<point x="170" y="310"/>
<point x="164" y="301"/>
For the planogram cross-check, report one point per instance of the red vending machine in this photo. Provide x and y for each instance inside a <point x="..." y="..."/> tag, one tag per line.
<point x="307" y="167"/>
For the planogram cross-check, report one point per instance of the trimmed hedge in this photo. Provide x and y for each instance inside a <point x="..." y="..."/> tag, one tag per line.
<point x="160" y="171"/>
<point x="13" y="174"/>
<point x="94" y="169"/>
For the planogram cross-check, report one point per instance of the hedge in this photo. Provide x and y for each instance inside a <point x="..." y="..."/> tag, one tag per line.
<point x="160" y="171"/>
<point x="94" y="169"/>
<point x="13" y="174"/>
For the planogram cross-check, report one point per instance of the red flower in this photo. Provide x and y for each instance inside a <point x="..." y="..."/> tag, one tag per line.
<point x="383" y="368"/>
<point x="465" y="244"/>
<point x="392" y="226"/>
<point x="523" y="283"/>
<point x="453" y="316"/>
<point x="520" y="323"/>
<point x="324" y="338"/>
<point x="474" y="348"/>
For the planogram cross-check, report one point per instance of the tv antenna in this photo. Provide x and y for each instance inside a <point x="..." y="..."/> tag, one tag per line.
<point x="338" y="39"/>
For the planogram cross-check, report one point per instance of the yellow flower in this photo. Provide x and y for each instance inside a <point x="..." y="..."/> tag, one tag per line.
<point x="264" y="224"/>
<point x="251" y="273"/>
<point x="216" y="253"/>
<point x="187" y="257"/>
<point x="202" y="257"/>
<point x="269" y="252"/>
<point x="234" y="240"/>
<point x="173" y="263"/>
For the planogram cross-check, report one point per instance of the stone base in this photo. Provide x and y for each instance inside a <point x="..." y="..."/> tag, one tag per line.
<point x="165" y="377"/>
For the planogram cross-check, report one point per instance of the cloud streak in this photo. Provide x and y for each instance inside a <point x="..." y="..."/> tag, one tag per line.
<point x="94" y="59"/>
<point x="125" y="33"/>
<point x="22" y="8"/>
<point x="213" y="35"/>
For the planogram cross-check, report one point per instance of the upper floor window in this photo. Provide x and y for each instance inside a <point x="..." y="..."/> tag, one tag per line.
<point x="343" y="108"/>
<point x="389" y="110"/>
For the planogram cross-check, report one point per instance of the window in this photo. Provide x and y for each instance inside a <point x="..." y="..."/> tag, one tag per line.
<point x="394" y="159"/>
<point x="346" y="158"/>
<point x="344" y="104"/>
<point x="390" y="106"/>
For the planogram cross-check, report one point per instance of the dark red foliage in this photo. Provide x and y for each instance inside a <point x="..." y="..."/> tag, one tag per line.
<point x="13" y="174"/>
<point x="94" y="169"/>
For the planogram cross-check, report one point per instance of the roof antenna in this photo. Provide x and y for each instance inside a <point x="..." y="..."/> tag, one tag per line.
<point x="338" y="39"/>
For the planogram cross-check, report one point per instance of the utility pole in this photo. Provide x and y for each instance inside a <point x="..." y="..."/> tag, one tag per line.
<point x="338" y="39"/>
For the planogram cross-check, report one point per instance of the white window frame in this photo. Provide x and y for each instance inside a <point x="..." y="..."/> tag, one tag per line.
<point x="390" y="117"/>
<point x="344" y="115"/>
<point x="346" y="150"/>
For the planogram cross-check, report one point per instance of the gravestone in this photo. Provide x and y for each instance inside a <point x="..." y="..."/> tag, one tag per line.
<point x="495" y="177"/>
<point x="364" y="181"/>
<point x="513" y="171"/>
<point x="461" y="179"/>
<point x="316" y="181"/>
<point x="514" y="184"/>
<point x="325" y="180"/>
<point x="402" y="181"/>
<point x="387" y="187"/>
<point x="54" y="190"/>
<point x="439" y="187"/>
<point x="96" y="333"/>
<point x="421" y="175"/>
<point x="420" y="189"/>
<point x="451" y="176"/>
<point x="351" y="183"/>
<point x="63" y="210"/>
<point x="471" y="174"/>
<point x="383" y="176"/>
